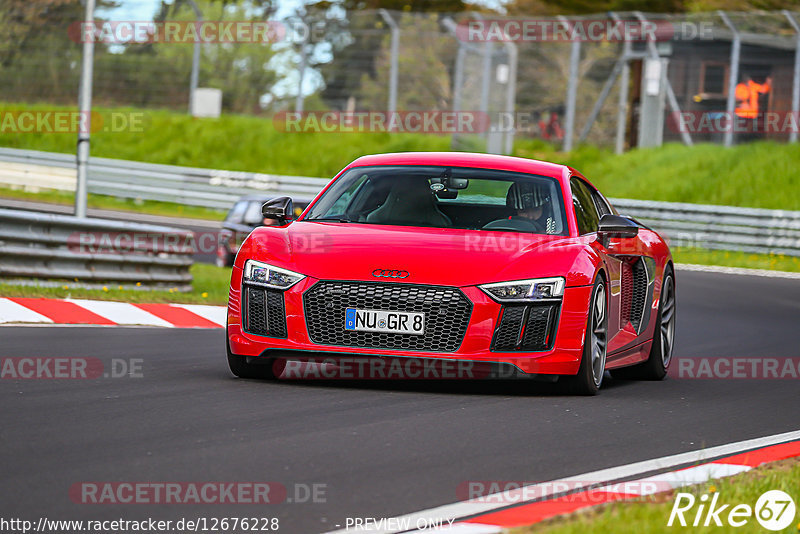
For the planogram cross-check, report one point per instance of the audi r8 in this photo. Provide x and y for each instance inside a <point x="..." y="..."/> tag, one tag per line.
<point x="456" y="257"/>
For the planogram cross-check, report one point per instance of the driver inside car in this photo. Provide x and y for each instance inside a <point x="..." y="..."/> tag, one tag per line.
<point x="531" y="201"/>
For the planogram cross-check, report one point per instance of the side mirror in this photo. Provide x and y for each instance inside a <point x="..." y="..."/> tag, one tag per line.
<point x="617" y="226"/>
<point x="279" y="209"/>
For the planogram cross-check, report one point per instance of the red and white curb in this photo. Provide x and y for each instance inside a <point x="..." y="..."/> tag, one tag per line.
<point x="493" y="513"/>
<point x="43" y="311"/>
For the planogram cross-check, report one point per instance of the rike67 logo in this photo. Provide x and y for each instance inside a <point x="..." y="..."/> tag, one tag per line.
<point x="774" y="510"/>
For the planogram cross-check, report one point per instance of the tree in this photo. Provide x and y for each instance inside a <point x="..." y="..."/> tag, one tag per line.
<point x="37" y="57"/>
<point x="423" y="75"/>
<point x="355" y="43"/>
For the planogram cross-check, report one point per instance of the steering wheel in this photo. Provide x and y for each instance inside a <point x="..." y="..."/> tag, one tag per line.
<point x="515" y="224"/>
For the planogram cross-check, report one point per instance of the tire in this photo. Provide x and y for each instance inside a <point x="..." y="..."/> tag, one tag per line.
<point x="593" y="361"/>
<point x="657" y="363"/>
<point x="240" y="368"/>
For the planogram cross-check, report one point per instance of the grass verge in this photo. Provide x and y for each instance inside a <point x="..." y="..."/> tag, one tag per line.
<point x="646" y="516"/>
<point x="210" y="286"/>
<point x="149" y="207"/>
<point x="759" y="174"/>
<point x="725" y="258"/>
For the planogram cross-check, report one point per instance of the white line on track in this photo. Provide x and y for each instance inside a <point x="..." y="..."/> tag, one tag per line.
<point x="465" y="508"/>
<point x="735" y="270"/>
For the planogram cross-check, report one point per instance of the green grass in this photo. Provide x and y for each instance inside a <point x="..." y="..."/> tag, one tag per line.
<point x="759" y="175"/>
<point x="762" y="174"/>
<point x="150" y="207"/>
<point x="232" y="142"/>
<point x="210" y="286"/>
<point x="648" y="516"/>
<point x="725" y="258"/>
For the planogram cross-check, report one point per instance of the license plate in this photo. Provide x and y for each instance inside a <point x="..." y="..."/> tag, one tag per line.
<point x="393" y="322"/>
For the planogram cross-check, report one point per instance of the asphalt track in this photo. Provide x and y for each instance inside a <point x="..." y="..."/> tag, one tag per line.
<point x="380" y="449"/>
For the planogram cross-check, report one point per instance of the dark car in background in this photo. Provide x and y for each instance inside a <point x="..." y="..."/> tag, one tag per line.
<point x="243" y="218"/>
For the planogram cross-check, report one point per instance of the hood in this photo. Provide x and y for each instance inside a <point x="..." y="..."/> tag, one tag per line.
<point x="438" y="256"/>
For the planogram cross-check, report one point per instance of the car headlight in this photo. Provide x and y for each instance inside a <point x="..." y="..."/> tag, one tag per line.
<point x="526" y="290"/>
<point x="262" y="274"/>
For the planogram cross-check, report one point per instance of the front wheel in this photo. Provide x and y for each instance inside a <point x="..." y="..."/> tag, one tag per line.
<point x="242" y="369"/>
<point x="593" y="362"/>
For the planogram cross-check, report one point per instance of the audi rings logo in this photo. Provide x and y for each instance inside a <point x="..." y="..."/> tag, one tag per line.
<point x="389" y="273"/>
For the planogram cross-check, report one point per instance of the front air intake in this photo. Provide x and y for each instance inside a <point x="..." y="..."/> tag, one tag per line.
<point x="526" y="328"/>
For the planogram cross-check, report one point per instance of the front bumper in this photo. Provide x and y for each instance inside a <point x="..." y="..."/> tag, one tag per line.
<point x="562" y="359"/>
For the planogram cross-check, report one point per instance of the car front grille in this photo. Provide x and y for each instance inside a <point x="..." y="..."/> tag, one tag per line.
<point x="526" y="328"/>
<point x="264" y="313"/>
<point x="447" y="311"/>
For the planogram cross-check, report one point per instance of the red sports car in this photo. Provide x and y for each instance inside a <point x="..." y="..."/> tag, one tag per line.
<point x="457" y="258"/>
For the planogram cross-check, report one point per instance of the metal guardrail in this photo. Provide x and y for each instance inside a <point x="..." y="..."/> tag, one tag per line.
<point x="691" y="225"/>
<point x="148" y="181"/>
<point x="706" y="226"/>
<point x="93" y="252"/>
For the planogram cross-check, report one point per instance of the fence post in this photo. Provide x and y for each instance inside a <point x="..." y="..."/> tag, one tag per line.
<point x="733" y="79"/>
<point x="195" y="59"/>
<point x="394" y="59"/>
<point x="796" y="76"/>
<point x="301" y="71"/>
<point x="85" y="108"/>
<point x="622" y="103"/>
<point x="671" y="98"/>
<point x="572" y="91"/>
<point x="511" y="92"/>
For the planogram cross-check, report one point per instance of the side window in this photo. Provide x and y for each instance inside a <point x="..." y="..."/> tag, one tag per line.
<point x="342" y="204"/>
<point x="602" y="205"/>
<point x="585" y="209"/>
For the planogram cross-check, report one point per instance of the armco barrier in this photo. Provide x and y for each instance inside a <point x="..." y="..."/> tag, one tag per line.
<point x="148" y="181"/>
<point x="93" y="251"/>
<point x="719" y="227"/>
<point x="692" y="225"/>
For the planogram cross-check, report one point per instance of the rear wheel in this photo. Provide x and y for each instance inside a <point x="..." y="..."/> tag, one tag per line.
<point x="239" y="366"/>
<point x="655" y="367"/>
<point x="593" y="362"/>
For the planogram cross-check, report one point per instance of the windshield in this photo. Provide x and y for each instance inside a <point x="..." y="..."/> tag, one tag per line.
<point x="444" y="197"/>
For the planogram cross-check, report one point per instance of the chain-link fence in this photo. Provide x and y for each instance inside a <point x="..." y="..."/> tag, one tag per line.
<point x="614" y="80"/>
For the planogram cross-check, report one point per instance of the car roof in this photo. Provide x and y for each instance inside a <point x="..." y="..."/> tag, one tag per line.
<point x="464" y="159"/>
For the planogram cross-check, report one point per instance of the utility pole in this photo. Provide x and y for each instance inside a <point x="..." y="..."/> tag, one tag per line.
<point x="85" y="111"/>
<point x="195" y="58"/>
<point x="395" y="29"/>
